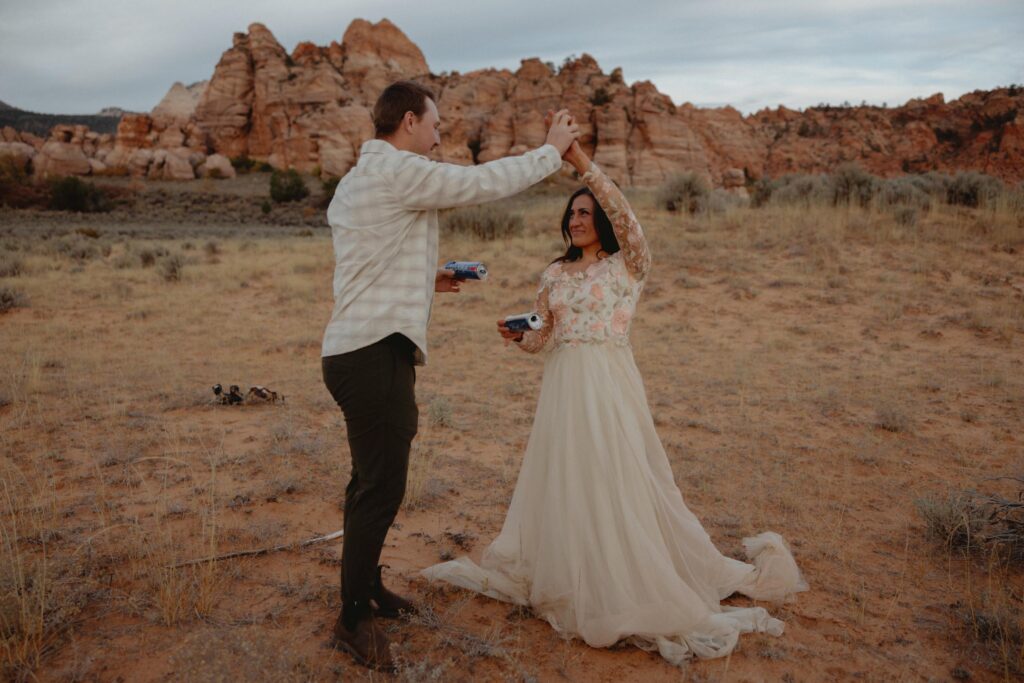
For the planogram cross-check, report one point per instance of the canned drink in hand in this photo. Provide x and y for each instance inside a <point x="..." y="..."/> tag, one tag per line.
<point x="524" y="322"/>
<point x="467" y="270"/>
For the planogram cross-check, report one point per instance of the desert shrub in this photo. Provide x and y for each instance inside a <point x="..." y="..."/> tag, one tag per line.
<point x="904" y="192"/>
<point x="242" y="164"/>
<point x="212" y="248"/>
<point x="15" y="189"/>
<point x="76" y="247"/>
<point x="952" y="521"/>
<point x="891" y="417"/>
<point x="995" y="625"/>
<point x="972" y="520"/>
<point x="74" y="194"/>
<point x="687" y="192"/>
<point x="600" y="97"/>
<point x="905" y="216"/>
<point x="488" y="222"/>
<point x="329" y="185"/>
<point x="853" y="185"/>
<point x="792" y="189"/>
<point x="148" y="257"/>
<point x="720" y="201"/>
<point x="933" y="183"/>
<point x="10" y="266"/>
<point x="265" y="207"/>
<point x="973" y="189"/>
<point x="440" y="413"/>
<point x="12" y="170"/>
<point x="171" y="267"/>
<point x="125" y="259"/>
<point x="287" y="186"/>
<point x="11" y="298"/>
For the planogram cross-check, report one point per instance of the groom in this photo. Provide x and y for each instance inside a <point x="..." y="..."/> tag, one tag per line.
<point x="383" y="222"/>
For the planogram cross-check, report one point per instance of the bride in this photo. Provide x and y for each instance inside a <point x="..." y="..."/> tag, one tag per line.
<point x="598" y="540"/>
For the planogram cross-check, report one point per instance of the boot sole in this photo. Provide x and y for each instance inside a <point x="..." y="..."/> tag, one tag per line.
<point x="360" y="660"/>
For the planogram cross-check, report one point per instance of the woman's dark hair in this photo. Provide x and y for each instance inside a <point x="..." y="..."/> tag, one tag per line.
<point x="398" y="98"/>
<point x="609" y="244"/>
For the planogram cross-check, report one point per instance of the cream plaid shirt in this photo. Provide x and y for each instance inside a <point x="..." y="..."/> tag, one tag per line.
<point x="383" y="222"/>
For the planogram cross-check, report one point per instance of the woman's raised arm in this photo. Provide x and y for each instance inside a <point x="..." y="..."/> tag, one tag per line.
<point x="627" y="228"/>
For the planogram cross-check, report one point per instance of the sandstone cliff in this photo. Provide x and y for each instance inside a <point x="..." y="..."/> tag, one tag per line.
<point x="310" y="109"/>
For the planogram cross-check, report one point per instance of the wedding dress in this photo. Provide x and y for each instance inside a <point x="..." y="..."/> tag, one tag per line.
<point x="598" y="540"/>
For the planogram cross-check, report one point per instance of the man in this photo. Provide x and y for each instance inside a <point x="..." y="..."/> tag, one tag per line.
<point x="384" y="226"/>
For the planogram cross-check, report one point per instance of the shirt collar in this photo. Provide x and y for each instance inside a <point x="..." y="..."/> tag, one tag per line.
<point x="376" y="146"/>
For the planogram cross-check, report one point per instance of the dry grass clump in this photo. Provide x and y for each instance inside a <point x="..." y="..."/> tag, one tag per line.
<point x="171" y="267"/>
<point x="487" y="222"/>
<point x="10" y="266"/>
<point x="891" y="417"/>
<point x="215" y="655"/>
<point x="989" y="528"/>
<point x="439" y="412"/>
<point x="11" y="298"/>
<point x="422" y="486"/>
<point x="953" y="521"/>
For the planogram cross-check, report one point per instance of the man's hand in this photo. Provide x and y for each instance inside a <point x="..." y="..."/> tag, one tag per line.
<point x="507" y="334"/>
<point x="445" y="281"/>
<point x="563" y="131"/>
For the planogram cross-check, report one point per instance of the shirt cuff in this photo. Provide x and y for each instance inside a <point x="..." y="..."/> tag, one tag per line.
<point x="549" y="153"/>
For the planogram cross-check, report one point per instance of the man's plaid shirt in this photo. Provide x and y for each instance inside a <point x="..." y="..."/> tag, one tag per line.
<point x="383" y="222"/>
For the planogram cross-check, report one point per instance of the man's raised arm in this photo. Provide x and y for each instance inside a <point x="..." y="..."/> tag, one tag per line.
<point x="424" y="184"/>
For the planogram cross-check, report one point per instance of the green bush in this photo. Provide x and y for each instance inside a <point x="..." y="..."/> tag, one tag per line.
<point x="242" y="164"/>
<point x="329" y="184"/>
<point x="685" y="192"/>
<point x="973" y="189"/>
<point x="73" y="194"/>
<point x="853" y="185"/>
<point x="488" y="222"/>
<point x="287" y="186"/>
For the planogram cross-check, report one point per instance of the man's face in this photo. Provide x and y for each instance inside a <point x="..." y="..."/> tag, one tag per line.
<point x="426" y="131"/>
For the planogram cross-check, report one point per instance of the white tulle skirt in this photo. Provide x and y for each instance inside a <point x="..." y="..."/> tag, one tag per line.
<point x="598" y="540"/>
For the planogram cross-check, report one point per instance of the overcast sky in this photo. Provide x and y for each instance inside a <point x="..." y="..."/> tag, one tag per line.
<point x="78" y="56"/>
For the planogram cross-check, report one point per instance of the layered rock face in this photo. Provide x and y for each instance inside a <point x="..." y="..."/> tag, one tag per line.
<point x="311" y="110"/>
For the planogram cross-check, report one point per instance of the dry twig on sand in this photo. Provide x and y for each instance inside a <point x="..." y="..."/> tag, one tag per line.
<point x="262" y="551"/>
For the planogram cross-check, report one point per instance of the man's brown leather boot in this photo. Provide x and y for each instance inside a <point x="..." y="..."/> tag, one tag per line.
<point x="388" y="604"/>
<point x="366" y="643"/>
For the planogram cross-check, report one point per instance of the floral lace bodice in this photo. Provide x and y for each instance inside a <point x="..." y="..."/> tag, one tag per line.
<point x="595" y="305"/>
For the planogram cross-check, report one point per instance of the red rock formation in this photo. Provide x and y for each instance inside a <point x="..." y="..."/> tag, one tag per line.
<point x="311" y="109"/>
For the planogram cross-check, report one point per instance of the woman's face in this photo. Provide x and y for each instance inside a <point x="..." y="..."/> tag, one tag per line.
<point x="581" y="222"/>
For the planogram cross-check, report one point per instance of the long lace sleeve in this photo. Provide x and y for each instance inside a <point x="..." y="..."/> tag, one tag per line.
<point x="535" y="340"/>
<point x="627" y="228"/>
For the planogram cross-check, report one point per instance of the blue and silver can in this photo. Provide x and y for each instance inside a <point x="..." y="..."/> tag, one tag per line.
<point x="467" y="270"/>
<point x="524" y="322"/>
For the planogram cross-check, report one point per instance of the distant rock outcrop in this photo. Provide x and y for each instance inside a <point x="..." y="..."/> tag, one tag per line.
<point x="310" y="110"/>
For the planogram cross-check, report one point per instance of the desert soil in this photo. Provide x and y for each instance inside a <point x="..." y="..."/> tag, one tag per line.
<point x="812" y="372"/>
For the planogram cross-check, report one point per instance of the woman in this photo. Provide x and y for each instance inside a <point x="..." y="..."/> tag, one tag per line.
<point x="597" y="539"/>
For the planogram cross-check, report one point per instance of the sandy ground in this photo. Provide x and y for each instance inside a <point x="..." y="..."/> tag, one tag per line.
<point x="812" y="372"/>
